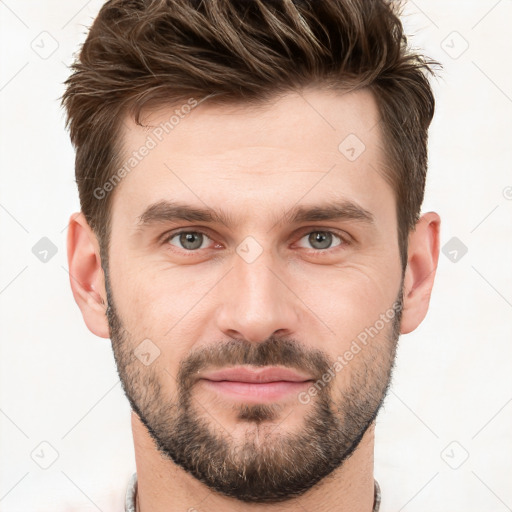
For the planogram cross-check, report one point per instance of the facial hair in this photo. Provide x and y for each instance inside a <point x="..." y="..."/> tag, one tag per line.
<point x="268" y="465"/>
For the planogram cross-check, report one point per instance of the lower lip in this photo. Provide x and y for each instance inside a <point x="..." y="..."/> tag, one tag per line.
<point x="256" y="392"/>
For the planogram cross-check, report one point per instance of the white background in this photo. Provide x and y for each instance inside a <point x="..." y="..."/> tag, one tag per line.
<point x="452" y="391"/>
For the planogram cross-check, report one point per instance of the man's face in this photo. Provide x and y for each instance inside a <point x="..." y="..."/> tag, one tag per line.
<point x="307" y="304"/>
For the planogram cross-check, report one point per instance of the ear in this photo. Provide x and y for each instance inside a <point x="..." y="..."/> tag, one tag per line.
<point x="423" y="255"/>
<point x="86" y="275"/>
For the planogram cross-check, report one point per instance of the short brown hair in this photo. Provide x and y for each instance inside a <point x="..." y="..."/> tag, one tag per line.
<point x="141" y="54"/>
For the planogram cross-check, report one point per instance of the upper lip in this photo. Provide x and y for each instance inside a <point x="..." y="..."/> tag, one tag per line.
<point x="258" y="375"/>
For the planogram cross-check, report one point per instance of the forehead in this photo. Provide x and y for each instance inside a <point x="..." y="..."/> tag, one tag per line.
<point x="310" y="146"/>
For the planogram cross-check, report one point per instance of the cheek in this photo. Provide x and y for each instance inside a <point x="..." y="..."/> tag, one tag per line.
<point x="159" y="299"/>
<point x="347" y="299"/>
<point x="363" y="367"/>
<point x="162" y="303"/>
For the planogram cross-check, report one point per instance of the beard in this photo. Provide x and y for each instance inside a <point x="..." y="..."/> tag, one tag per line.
<point x="269" y="464"/>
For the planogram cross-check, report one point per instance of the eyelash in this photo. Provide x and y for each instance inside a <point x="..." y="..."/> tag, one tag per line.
<point x="344" y="240"/>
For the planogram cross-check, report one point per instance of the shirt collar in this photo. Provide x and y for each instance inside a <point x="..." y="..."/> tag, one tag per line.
<point x="129" y="504"/>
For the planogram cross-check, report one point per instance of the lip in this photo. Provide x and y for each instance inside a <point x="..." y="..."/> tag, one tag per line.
<point x="256" y="385"/>
<point x="256" y="375"/>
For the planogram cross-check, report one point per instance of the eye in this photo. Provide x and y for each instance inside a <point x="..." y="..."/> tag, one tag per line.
<point x="188" y="240"/>
<point x="322" y="240"/>
<point x="192" y="241"/>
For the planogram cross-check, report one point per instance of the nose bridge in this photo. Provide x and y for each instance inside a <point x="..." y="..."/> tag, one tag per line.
<point x="259" y="288"/>
<point x="255" y="303"/>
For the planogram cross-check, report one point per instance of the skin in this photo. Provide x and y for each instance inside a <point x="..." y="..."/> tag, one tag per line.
<point x="255" y="164"/>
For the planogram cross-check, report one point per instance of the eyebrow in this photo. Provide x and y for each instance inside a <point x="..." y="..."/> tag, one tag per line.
<point x="171" y="211"/>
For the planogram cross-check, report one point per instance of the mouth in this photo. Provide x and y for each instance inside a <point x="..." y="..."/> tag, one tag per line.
<point x="254" y="384"/>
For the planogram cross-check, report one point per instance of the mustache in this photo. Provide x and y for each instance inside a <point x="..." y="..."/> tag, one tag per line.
<point x="272" y="352"/>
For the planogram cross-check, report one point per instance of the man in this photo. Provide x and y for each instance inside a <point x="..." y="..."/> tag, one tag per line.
<point x="251" y="175"/>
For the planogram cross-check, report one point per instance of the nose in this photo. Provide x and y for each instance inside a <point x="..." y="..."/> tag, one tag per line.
<point x="256" y="302"/>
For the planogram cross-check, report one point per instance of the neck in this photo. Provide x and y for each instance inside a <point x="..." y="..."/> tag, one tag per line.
<point x="164" y="486"/>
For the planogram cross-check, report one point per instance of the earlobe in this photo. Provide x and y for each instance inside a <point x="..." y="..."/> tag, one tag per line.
<point x="86" y="275"/>
<point x="423" y="255"/>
